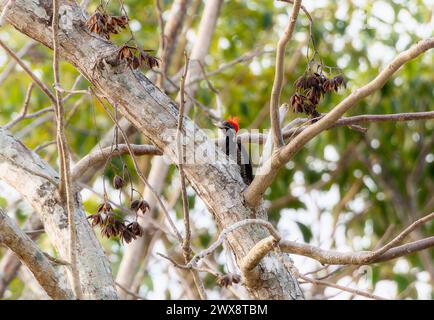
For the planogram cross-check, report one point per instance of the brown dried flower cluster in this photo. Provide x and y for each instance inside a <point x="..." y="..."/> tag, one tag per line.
<point x="112" y="225"/>
<point x="310" y="88"/>
<point x="104" y="25"/>
<point x="228" y="279"/>
<point x="118" y="182"/>
<point x="135" y="57"/>
<point x="142" y="205"/>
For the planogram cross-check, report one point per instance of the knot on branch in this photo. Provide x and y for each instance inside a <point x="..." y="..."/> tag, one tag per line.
<point x="254" y="257"/>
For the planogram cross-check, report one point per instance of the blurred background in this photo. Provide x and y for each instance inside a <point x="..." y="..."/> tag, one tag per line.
<point x="345" y="190"/>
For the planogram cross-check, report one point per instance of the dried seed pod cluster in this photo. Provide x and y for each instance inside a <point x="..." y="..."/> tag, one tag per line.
<point x="118" y="182"/>
<point x="142" y="205"/>
<point x="104" y="25"/>
<point x="310" y="88"/>
<point x="228" y="279"/>
<point x="135" y="57"/>
<point x="112" y="225"/>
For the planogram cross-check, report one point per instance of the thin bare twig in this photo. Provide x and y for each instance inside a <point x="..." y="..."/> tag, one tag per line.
<point x="337" y="286"/>
<point x="386" y="252"/>
<point x="406" y="249"/>
<point x="34" y="232"/>
<point x="256" y="189"/>
<point x="44" y="145"/>
<point x="10" y="67"/>
<point x="225" y="232"/>
<point x="131" y="293"/>
<point x="402" y="235"/>
<point x="162" y="75"/>
<point x="23" y="110"/>
<point x="57" y="261"/>
<point x="40" y="84"/>
<point x="186" y="244"/>
<point x="65" y="186"/>
<point x="139" y="172"/>
<point x="332" y="257"/>
<point x="196" y="102"/>
<point x="243" y="58"/>
<point x="302" y="8"/>
<point x="278" y="76"/>
<point x="72" y="91"/>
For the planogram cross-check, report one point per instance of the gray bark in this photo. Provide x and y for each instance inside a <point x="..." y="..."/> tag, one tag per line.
<point x="22" y="169"/>
<point x="153" y="113"/>
<point x="29" y="253"/>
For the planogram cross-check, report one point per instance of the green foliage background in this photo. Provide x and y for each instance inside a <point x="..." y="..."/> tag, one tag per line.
<point x="248" y="24"/>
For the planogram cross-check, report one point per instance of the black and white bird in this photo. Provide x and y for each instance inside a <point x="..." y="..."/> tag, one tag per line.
<point x="235" y="149"/>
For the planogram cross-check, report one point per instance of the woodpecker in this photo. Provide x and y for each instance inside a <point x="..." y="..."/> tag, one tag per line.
<point x="234" y="149"/>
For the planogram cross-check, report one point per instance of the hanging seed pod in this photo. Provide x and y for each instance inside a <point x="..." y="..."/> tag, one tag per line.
<point x="312" y="82"/>
<point x="147" y="59"/>
<point x="228" y="279"/>
<point x="142" y="205"/>
<point x="127" y="236"/>
<point x="321" y="78"/>
<point x="105" y="207"/>
<point x="135" y="205"/>
<point x="135" y="63"/>
<point x="328" y="85"/>
<point x="119" y="226"/>
<point x="96" y="219"/>
<point x="118" y="182"/>
<point x="339" y="82"/>
<point x="110" y="218"/>
<point x="301" y="83"/>
<point x="314" y="96"/>
<point x="104" y="25"/>
<point x="109" y="231"/>
<point x="135" y="229"/>
<point x="125" y="53"/>
<point x="120" y="21"/>
<point x="296" y="103"/>
<point x="308" y="107"/>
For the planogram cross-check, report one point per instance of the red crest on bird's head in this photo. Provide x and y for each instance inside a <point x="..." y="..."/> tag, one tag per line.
<point x="234" y="121"/>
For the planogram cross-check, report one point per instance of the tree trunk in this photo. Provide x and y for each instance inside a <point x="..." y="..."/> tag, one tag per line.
<point x="31" y="177"/>
<point x="155" y="115"/>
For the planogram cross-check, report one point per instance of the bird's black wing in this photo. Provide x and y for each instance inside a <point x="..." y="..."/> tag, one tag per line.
<point x="245" y="163"/>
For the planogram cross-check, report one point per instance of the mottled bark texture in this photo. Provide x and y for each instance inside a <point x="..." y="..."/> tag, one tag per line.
<point x="22" y="169"/>
<point x="155" y="115"/>
<point x="137" y="250"/>
<point x="29" y="253"/>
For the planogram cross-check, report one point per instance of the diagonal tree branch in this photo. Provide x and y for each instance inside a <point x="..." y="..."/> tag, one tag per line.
<point x="155" y="115"/>
<point x="159" y="169"/>
<point x="99" y="156"/>
<point x="29" y="253"/>
<point x="268" y="171"/>
<point x="10" y="264"/>
<point x="278" y="76"/>
<point x="95" y="272"/>
<point x="65" y="188"/>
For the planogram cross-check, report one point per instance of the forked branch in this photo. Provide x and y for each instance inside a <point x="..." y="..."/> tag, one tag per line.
<point x="262" y="181"/>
